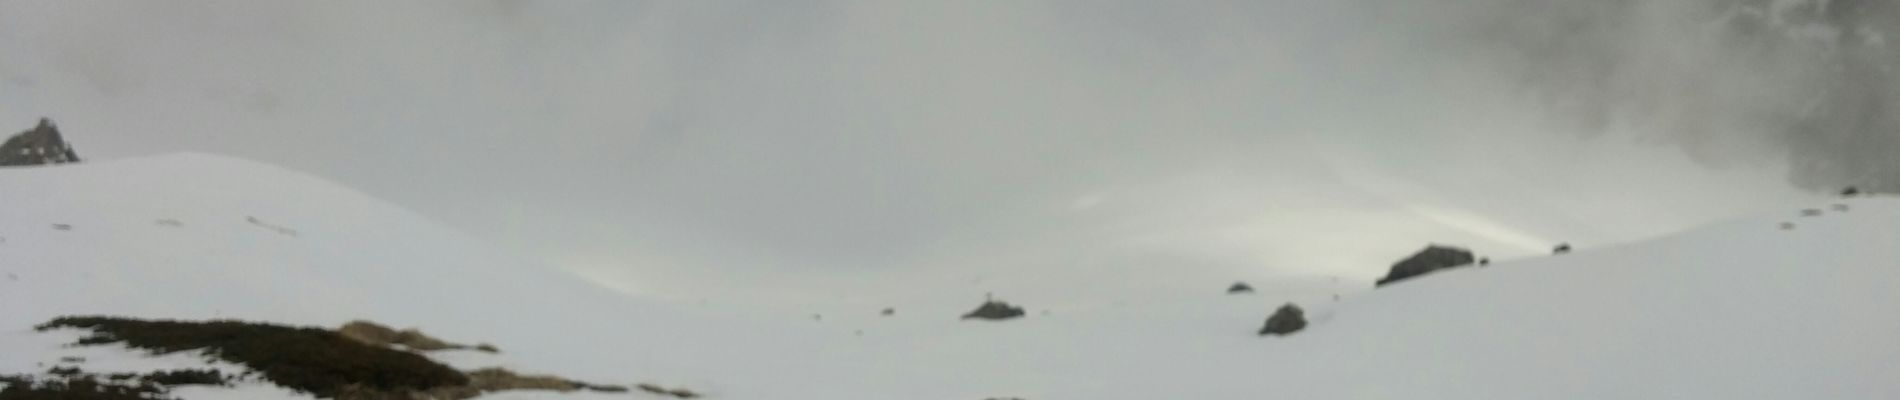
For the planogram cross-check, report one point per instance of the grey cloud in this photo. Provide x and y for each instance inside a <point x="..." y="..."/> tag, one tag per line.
<point x="1731" y="81"/>
<point x="649" y="141"/>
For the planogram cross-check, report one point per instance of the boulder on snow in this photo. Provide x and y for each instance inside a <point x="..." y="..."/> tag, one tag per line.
<point x="1561" y="248"/>
<point x="38" y="146"/>
<point x="1850" y="191"/>
<point x="993" y="309"/>
<point x="1433" y="258"/>
<point x="1288" y="319"/>
<point x="1239" y="287"/>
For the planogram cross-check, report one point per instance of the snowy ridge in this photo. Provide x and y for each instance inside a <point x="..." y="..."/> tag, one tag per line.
<point x="1739" y="310"/>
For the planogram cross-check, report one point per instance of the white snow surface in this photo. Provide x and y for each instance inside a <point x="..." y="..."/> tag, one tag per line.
<point x="1738" y="310"/>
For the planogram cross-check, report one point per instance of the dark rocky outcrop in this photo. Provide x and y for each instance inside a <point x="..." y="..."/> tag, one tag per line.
<point x="311" y="360"/>
<point x="319" y="362"/>
<point x="1850" y="191"/>
<point x="1239" y="287"/>
<point x="1288" y="319"/>
<point x="38" y="146"/>
<point x="1433" y="258"/>
<point x="1562" y="248"/>
<point x="993" y="309"/>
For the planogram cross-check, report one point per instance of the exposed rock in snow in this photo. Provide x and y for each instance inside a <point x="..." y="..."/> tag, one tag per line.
<point x="993" y="309"/>
<point x="38" y="146"/>
<point x="1288" y="319"/>
<point x="1239" y="287"/>
<point x="1433" y="258"/>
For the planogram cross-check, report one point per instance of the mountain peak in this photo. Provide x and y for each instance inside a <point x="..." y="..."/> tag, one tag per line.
<point x="38" y="146"/>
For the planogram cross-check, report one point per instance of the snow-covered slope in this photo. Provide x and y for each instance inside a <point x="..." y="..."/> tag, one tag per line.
<point x="197" y="236"/>
<point x="1739" y="310"/>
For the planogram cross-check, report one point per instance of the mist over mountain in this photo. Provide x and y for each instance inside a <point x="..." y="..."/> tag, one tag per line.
<point x="1811" y="83"/>
<point x="842" y="138"/>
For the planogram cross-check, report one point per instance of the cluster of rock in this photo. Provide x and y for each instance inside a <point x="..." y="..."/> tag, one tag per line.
<point x="38" y="146"/>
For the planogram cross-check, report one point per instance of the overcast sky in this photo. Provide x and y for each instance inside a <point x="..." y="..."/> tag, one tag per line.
<point x="672" y="147"/>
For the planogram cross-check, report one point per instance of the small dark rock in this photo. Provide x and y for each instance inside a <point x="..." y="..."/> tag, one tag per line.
<point x="1850" y="191"/>
<point x="1433" y="258"/>
<point x="993" y="309"/>
<point x="1562" y="248"/>
<point x="1239" y="287"/>
<point x="888" y="312"/>
<point x="1288" y="319"/>
<point x="1484" y="261"/>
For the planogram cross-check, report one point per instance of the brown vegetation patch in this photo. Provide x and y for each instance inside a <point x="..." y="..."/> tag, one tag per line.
<point x="377" y="334"/>
<point x="312" y="360"/>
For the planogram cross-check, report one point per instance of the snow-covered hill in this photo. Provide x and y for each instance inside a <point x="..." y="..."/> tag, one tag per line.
<point x="1744" y="309"/>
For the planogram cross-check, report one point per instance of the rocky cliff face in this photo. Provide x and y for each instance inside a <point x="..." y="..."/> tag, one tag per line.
<point x="38" y="146"/>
